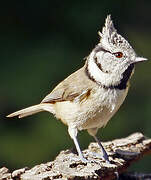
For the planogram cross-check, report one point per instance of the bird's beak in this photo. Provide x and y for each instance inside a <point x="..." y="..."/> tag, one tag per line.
<point x="139" y="59"/>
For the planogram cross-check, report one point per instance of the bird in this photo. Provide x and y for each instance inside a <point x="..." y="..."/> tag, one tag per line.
<point x="88" y="98"/>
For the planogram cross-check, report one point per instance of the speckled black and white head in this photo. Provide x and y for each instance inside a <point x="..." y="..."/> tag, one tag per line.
<point x="111" y="62"/>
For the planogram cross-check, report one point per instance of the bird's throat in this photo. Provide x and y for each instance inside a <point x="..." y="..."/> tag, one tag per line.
<point x="122" y="83"/>
<point x="126" y="76"/>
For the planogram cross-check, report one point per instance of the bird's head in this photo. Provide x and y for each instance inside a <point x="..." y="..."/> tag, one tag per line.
<point x="112" y="58"/>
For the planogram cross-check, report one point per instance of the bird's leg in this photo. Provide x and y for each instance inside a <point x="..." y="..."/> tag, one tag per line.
<point x="73" y="134"/>
<point x="93" y="132"/>
<point x="105" y="155"/>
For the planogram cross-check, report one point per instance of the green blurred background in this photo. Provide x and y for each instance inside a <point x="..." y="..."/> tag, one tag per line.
<point x="41" y="43"/>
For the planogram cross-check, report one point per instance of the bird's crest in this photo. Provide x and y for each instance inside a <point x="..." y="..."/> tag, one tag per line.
<point x="110" y="38"/>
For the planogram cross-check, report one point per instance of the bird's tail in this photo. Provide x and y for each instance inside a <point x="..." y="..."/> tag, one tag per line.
<point x="32" y="110"/>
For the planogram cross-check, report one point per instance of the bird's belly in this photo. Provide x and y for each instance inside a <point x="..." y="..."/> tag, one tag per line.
<point x="103" y="112"/>
<point x="99" y="119"/>
<point x="92" y="112"/>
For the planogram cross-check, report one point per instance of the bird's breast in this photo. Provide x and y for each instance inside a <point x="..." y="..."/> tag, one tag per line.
<point x="105" y="105"/>
<point x="95" y="111"/>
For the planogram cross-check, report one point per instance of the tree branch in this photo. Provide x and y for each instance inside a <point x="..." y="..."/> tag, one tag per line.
<point x="122" y="152"/>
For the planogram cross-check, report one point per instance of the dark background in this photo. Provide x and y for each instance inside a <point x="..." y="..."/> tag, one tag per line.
<point x="41" y="43"/>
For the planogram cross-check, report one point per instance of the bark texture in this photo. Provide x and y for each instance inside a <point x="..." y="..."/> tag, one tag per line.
<point x="122" y="152"/>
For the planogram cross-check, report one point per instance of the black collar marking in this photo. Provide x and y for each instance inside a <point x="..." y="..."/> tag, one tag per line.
<point x="123" y="83"/>
<point x="126" y="75"/>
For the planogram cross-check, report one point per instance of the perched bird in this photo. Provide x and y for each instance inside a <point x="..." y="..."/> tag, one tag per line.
<point x="88" y="98"/>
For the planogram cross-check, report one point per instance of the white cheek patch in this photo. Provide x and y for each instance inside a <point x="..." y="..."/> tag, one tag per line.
<point x="100" y="56"/>
<point x="93" y="69"/>
<point x="99" y="76"/>
<point x="108" y="65"/>
<point x="105" y="78"/>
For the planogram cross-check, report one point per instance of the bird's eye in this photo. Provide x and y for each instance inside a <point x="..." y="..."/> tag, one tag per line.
<point x="118" y="54"/>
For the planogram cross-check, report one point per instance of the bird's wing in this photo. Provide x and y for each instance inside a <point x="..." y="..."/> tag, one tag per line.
<point x="75" y="87"/>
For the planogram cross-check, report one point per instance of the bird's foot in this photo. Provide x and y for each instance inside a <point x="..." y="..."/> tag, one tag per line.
<point x="80" y="159"/>
<point x="100" y="156"/>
